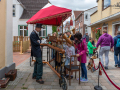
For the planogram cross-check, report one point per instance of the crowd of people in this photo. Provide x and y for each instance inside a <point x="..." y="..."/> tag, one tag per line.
<point x="82" y="45"/>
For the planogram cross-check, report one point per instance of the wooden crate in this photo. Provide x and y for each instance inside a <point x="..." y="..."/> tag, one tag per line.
<point x="3" y="83"/>
<point x="11" y="74"/>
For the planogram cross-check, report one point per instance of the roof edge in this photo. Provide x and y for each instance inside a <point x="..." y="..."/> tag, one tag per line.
<point x="21" y="4"/>
<point x="79" y="15"/>
<point x="93" y="13"/>
<point x="91" y="8"/>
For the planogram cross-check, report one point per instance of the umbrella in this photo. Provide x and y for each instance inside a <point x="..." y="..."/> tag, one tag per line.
<point x="50" y="15"/>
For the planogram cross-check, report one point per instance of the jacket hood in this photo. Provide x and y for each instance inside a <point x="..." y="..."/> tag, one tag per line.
<point x="118" y="36"/>
<point x="106" y="35"/>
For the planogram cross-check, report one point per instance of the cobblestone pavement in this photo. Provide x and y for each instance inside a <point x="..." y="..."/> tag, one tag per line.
<point x="24" y="79"/>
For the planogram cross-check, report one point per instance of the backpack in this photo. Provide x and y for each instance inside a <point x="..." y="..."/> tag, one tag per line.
<point x="118" y="43"/>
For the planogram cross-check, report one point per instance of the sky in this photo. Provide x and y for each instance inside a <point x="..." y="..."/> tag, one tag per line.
<point x="74" y="4"/>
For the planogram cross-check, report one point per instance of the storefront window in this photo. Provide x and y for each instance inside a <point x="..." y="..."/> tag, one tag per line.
<point x="117" y="28"/>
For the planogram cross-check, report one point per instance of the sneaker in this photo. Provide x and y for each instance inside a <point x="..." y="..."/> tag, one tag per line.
<point x="71" y="77"/>
<point x="106" y="68"/>
<point x="84" y="80"/>
<point x="80" y="78"/>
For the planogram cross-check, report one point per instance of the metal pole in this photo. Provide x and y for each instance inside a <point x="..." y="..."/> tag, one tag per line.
<point x="98" y="87"/>
<point x="33" y="26"/>
<point x="62" y="32"/>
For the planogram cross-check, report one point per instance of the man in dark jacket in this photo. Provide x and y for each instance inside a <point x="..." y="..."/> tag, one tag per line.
<point x="117" y="50"/>
<point x="36" y="52"/>
<point x="87" y="37"/>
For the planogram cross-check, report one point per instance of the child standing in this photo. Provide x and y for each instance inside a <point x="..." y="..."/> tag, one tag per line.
<point x="90" y="47"/>
<point x="70" y="50"/>
<point x="81" y="46"/>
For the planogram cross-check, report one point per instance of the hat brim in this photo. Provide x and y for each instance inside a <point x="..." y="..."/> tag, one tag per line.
<point x="39" y="27"/>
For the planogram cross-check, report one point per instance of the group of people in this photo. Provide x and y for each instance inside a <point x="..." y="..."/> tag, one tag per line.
<point x="80" y="47"/>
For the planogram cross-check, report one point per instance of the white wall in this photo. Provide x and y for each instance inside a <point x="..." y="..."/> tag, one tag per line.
<point x="17" y="21"/>
<point x="9" y="28"/>
<point x="49" y="29"/>
<point x="87" y="22"/>
<point x="19" y="11"/>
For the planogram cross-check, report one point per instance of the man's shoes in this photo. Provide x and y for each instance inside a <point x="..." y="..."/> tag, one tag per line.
<point x="106" y="68"/>
<point x="116" y="65"/>
<point x="40" y="82"/>
<point x="67" y="76"/>
<point x="33" y="77"/>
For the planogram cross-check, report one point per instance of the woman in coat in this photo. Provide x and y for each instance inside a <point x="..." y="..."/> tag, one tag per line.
<point x="81" y="46"/>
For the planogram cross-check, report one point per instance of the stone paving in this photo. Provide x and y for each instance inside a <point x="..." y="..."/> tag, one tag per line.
<point x="24" y="79"/>
<point x="19" y="58"/>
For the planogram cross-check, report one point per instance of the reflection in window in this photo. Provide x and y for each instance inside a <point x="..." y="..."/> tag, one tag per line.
<point x="86" y="16"/>
<point x="106" y="3"/>
<point x="117" y="28"/>
<point x="21" y="32"/>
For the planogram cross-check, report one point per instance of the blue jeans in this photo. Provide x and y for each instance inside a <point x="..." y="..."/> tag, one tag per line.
<point x="67" y="61"/>
<point x="90" y="55"/>
<point x="117" y="61"/>
<point x="83" y="71"/>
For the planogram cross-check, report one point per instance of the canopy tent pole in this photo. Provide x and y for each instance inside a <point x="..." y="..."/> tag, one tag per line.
<point x="33" y="26"/>
<point x="62" y="32"/>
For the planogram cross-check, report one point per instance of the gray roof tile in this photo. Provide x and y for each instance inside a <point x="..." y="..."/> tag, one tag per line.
<point x="31" y="7"/>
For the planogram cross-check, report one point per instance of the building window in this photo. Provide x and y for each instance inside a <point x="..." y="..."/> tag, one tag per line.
<point x="43" y="32"/>
<point x="86" y="16"/>
<point x="14" y="7"/>
<point x="117" y="28"/>
<point x="23" y="30"/>
<point x="106" y="3"/>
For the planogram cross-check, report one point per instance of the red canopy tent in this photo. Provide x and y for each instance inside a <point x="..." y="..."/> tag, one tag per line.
<point x="51" y="15"/>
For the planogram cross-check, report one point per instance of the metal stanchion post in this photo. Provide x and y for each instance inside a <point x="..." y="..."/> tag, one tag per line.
<point x="98" y="87"/>
<point x="47" y="53"/>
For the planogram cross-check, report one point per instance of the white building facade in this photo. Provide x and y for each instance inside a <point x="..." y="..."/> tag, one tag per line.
<point x="20" y="27"/>
<point x="87" y="19"/>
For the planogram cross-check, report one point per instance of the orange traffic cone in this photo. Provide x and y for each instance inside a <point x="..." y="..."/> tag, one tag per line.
<point x="100" y="72"/>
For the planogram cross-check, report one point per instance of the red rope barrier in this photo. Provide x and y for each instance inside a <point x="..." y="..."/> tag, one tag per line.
<point x="95" y="67"/>
<point x="108" y="77"/>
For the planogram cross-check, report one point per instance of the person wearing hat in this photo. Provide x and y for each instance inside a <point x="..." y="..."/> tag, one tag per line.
<point x="71" y="37"/>
<point x="36" y="52"/>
